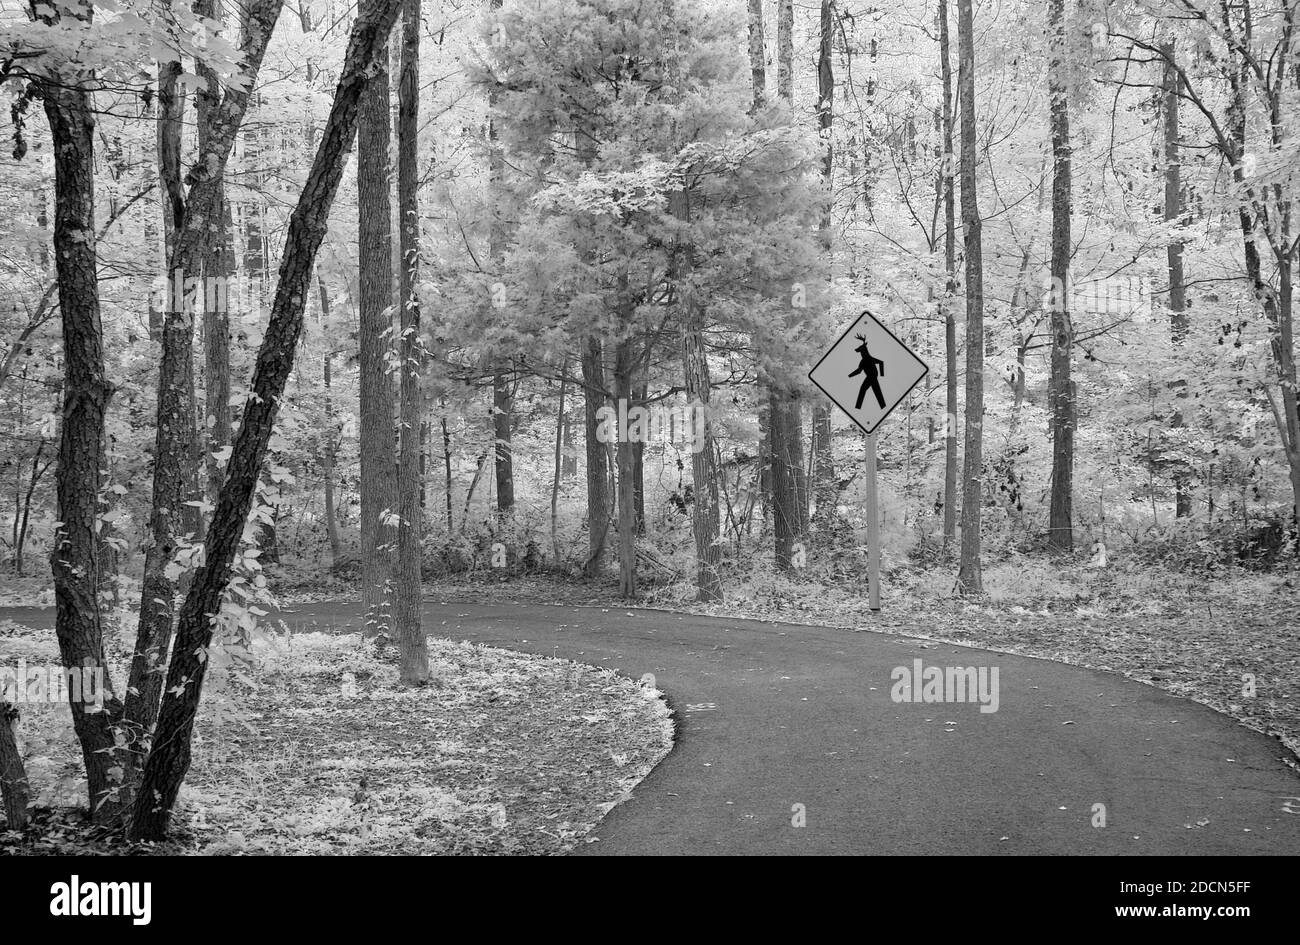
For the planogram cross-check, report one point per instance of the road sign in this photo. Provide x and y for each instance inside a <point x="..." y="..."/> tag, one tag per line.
<point x="868" y="372"/>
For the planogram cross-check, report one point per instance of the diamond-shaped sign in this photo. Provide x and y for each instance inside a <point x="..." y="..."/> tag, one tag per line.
<point x="868" y="372"/>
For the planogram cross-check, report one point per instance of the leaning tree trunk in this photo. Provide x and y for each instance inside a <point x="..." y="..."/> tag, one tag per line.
<point x="197" y="213"/>
<point x="1060" y="529"/>
<point x="410" y="632"/>
<point x="969" y="576"/>
<point x="170" y="758"/>
<point x="378" y="460"/>
<point x="1276" y="303"/>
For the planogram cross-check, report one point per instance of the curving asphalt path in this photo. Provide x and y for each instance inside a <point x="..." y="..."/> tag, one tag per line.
<point x="772" y="716"/>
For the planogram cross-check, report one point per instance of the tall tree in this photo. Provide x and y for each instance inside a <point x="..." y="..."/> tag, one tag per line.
<point x="174" y="476"/>
<point x="705" y="515"/>
<point x="375" y="337"/>
<point x="1060" y="533"/>
<point x="86" y="392"/>
<point x="970" y="578"/>
<point x="410" y="631"/>
<point x="947" y="171"/>
<point x="626" y="364"/>
<point x="1178" y="321"/>
<point x="785" y="424"/>
<point x="503" y="459"/>
<point x="598" y="491"/>
<point x="169" y="758"/>
<point x="824" y="490"/>
<point x="757" y="54"/>
<point x="218" y="268"/>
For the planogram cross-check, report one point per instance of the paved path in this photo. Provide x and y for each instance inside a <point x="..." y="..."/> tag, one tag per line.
<point x="771" y="716"/>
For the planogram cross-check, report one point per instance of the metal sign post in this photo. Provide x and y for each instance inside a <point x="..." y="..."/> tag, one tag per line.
<point x="867" y="373"/>
<point x="873" y="526"/>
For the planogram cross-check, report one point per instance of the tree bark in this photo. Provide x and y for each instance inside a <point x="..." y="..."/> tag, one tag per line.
<point x="969" y="575"/>
<point x="170" y="758"/>
<point x="1060" y="533"/>
<point x="15" y="793"/>
<point x="695" y="368"/>
<point x="86" y="392"/>
<point x="218" y="267"/>
<point x="375" y="253"/>
<point x="624" y="384"/>
<point x="598" y="494"/>
<point x="785" y="424"/>
<point x="1178" y="320"/>
<point x="947" y="170"/>
<point x="329" y="449"/>
<point x="785" y="50"/>
<point x="502" y="380"/>
<point x="173" y="477"/>
<point x="410" y="631"/>
<point x="503" y="455"/>
<point x="757" y="55"/>
<point x="824" y="487"/>
<point x="560" y="428"/>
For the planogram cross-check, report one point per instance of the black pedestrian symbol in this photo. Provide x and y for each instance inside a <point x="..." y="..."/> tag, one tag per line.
<point x="871" y="375"/>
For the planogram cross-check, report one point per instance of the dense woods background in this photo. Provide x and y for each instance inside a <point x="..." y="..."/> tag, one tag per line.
<point x="229" y="351"/>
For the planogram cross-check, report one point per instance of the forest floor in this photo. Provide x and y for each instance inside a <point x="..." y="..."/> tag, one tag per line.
<point x="316" y="749"/>
<point x="1230" y="641"/>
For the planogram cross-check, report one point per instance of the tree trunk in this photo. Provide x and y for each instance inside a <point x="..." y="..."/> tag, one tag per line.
<point x="15" y="792"/>
<point x="174" y="477"/>
<point x="502" y="381"/>
<point x="824" y="486"/>
<point x="218" y="267"/>
<point x="329" y="449"/>
<point x="624" y="384"/>
<point x="503" y="457"/>
<point x="560" y="429"/>
<point x="969" y="576"/>
<point x="950" y="293"/>
<point x="757" y="55"/>
<point x="1178" y="320"/>
<point x="785" y="424"/>
<point x="170" y="758"/>
<point x="446" y="461"/>
<point x="785" y="49"/>
<point x="1060" y="534"/>
<point x="695" y="368"/>
<point x="1276" y="304"/>
<point x="639" y="394"/>
<point x="375" y="253"/>
<point x="410" y="631"/>
<point x="598" y="495"/>
<point x="86" y="392"/>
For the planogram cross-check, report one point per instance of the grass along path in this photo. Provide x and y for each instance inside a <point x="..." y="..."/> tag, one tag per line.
<point x="316" y="749"/>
